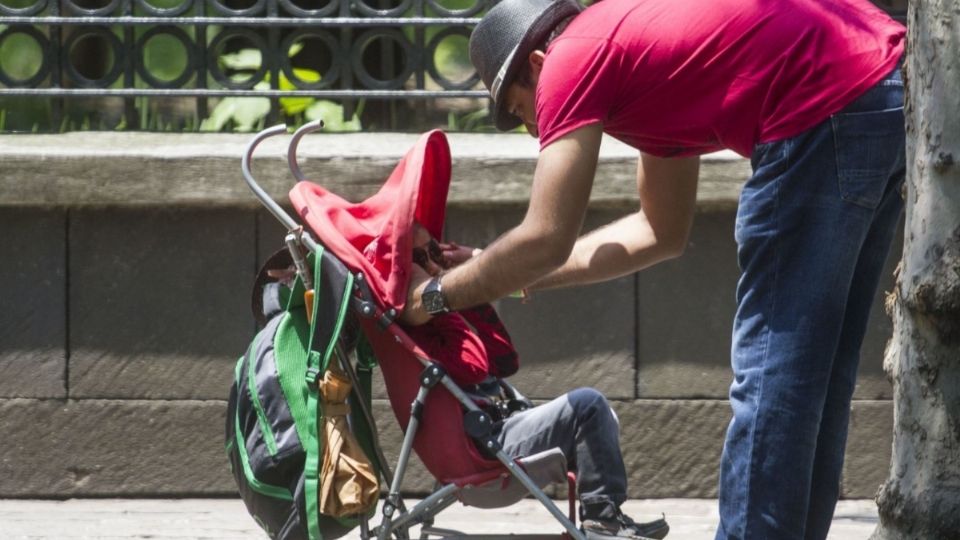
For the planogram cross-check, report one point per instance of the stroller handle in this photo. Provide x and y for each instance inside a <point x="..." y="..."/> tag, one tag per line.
<point x="266" y="199"/>
<point x="309" y="127"/>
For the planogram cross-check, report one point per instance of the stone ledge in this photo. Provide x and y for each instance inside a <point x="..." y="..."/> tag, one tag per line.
<point x="132" y="448"/>
<point x="109" y="168"/>
<point x="83" y="448"/>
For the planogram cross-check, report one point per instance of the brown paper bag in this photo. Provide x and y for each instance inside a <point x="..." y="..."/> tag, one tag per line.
<point x="348" y="483"/>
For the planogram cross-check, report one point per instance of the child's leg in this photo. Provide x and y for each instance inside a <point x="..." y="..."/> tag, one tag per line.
<point x="583" y="426"/>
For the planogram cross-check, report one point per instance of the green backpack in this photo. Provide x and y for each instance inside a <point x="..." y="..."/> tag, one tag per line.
<point x="274" y="412"/>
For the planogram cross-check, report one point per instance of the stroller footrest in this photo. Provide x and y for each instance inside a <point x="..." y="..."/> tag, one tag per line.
<point x="491" y="490"/>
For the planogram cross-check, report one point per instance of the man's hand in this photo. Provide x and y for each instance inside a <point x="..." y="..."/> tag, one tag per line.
<point x="414" y="314"/>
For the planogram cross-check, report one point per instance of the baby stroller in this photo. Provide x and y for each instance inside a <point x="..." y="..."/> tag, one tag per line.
<point x="444" y="425"/>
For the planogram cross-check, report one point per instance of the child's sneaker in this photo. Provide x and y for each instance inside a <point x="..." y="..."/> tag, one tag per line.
<point x="624" y="527"/>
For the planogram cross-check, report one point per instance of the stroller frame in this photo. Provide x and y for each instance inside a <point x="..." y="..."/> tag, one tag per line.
<point x="396" y="519"/>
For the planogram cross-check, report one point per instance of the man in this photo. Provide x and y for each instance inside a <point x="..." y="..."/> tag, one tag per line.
<point x="810" y="91"/>
<point x="580" y="423"/>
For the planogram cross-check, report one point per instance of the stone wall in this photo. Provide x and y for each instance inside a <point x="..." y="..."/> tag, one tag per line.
<point x="127" y="260"/>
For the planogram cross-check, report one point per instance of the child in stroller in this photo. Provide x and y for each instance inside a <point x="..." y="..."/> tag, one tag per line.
<point x="580" y="423"/>
<point x="365" y="251"/>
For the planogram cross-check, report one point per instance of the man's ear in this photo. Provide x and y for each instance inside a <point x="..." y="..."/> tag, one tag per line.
<point x="535" y="60"/>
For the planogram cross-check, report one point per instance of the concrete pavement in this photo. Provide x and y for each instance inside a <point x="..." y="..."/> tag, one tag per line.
<point x="220" y="519"/>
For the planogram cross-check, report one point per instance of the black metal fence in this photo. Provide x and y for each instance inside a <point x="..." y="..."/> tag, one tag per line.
<point x="356" y="49"/>
<point x="127" y="51"/>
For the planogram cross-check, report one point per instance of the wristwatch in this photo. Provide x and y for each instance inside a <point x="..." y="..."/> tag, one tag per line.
<point x="433" y="300"/>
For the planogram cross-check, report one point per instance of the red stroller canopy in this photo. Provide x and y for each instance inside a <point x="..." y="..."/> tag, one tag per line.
<point x="374" y="236"/>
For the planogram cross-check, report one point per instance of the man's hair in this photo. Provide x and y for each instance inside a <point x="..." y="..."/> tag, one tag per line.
<point x="524" y="78"/>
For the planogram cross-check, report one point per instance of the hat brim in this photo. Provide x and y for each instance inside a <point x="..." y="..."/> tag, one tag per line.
<point x="536" y="34"/>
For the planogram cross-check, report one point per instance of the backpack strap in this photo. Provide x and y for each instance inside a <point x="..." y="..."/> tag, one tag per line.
<point x="317" y="364"/>
<point x="366" y="361"/>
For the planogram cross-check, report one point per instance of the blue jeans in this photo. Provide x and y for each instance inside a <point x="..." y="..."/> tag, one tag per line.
<point x="813" y="229"/>
<point x="585" y="429"/>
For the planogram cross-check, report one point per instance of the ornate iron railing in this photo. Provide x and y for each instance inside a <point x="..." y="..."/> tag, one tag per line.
<point x="398" y="38"/>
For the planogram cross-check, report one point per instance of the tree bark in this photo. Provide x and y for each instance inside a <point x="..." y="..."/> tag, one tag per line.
<point x="921" y="497"/>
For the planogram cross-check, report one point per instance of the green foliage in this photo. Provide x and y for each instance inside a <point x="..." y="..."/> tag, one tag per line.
<point x="20" y="56"/>
<point x="165" y="57"/>
<point x="242" y="113"/>
<point x="332" y="115"/>
<point x="478" y="120"/>
<point x="250" y="113"/>
<point x="164" y="4"/>
<point x="452" y="58"/>
<point x="242" y="60"/>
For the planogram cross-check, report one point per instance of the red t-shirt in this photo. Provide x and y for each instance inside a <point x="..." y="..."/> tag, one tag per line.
<point x="686" y="77"/>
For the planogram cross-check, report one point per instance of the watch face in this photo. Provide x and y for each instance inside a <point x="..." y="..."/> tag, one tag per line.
<point x="433" y="302"/>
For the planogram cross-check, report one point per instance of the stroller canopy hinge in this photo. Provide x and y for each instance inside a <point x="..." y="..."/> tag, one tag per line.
<point x="430" y="376"/>
<point x="387" y="318"/>
<point x="366" y="307"/>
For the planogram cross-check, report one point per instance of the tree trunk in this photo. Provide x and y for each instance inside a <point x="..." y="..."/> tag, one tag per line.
<point x="921" y="497"/>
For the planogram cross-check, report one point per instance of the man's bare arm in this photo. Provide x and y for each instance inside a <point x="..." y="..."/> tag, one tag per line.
<point x="658" y="231"/>
<point x="541" y="243"/>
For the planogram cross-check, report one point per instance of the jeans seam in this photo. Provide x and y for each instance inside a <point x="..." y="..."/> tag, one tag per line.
<point x="766" y="343"/>
<point x="836" y="155"/>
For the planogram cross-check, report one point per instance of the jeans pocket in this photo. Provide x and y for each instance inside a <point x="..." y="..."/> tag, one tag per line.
<point x="870" y="148"/>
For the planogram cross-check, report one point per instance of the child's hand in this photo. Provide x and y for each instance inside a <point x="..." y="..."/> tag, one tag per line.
<point x="454" y="254"/>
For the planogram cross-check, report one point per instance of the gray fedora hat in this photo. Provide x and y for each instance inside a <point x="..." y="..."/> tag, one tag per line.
<point x="505" y="37"/>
